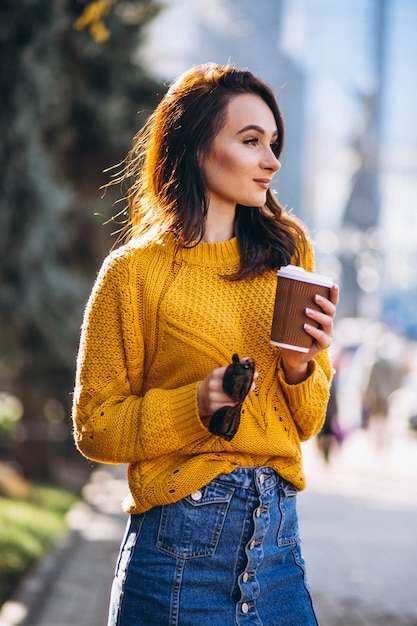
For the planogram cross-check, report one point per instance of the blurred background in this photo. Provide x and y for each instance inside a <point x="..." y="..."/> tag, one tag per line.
<point x="77" y="80"/>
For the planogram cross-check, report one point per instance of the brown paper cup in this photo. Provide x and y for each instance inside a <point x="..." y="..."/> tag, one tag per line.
<point x="296" y="289"/>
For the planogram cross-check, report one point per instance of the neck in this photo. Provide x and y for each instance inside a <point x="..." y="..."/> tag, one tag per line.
<point x="219" y="227"/>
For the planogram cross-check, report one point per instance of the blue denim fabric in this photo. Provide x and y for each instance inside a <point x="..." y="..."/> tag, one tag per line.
<point x="228" y="554"/>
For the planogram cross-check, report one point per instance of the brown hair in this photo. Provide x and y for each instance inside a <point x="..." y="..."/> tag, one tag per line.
<point x="166" y="190"/>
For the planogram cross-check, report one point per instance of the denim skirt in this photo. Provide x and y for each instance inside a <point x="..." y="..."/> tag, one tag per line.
<point x="227" y="554"/>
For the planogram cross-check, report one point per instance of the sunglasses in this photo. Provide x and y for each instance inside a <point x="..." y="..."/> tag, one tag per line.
<point x="237" y="382"/>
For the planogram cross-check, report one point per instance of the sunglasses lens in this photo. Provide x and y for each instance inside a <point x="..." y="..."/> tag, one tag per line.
<point x="237" y="382"/>
<point x="225" y="421"/>
<point x="238" y="379"/>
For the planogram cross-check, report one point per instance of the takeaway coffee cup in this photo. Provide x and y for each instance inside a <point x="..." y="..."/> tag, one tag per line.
<point x="296" y="289"/>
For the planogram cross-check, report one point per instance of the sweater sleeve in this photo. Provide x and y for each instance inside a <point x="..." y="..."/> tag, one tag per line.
<point x="307" y="401"/>
<point x="113" y="421"/>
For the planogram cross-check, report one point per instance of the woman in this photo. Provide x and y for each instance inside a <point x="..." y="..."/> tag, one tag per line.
<point x="212" y="536"/>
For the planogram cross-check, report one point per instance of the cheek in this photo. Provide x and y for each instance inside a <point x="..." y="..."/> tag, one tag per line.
<point x="214" y="171"/>
<point x="220" y="162"/>
<point x="226" y="164"/>
<point x="226" y="159"/>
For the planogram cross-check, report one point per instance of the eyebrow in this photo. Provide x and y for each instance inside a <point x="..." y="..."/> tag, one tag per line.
<point x="259" y="129"/>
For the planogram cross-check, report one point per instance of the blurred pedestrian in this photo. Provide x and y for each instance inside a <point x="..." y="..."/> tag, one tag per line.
<point x="330" y="434"/>
<point x="214" y="463"/>
<point x="385" y="377"/>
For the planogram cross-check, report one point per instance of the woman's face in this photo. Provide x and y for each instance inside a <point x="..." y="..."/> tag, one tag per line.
<point x="241" y="161"/>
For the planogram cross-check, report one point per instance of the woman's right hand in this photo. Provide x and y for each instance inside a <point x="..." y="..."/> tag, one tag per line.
<point x="210" y="393"/>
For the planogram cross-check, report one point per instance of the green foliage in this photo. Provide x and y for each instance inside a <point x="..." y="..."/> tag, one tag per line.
<point x="95" y="13"/>
<point x="11" y="411"/>
<point x="27" y="528"/>
<point x="68" y="110"/>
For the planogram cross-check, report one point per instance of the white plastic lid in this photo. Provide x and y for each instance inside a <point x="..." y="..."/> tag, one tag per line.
<point x="299" y="273"/>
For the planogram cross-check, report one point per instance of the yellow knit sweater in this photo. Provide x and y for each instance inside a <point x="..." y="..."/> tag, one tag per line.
<point x="154" y="328"/>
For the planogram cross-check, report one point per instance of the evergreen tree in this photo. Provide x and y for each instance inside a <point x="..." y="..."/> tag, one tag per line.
<point x="69" y="108"/>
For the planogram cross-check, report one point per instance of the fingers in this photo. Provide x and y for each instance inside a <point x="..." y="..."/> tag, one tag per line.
<point x="324" y="318"/>
<point x="210" y="394"/>
<point x="322" y="339"/>
<point x="328" y="306"/>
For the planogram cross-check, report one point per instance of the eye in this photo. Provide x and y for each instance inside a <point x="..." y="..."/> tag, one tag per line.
<point x="252" y="141"/>
<point x="275" y="148"/>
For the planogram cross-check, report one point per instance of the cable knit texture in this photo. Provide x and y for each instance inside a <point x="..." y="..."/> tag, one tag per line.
<point x="155" y="326"/>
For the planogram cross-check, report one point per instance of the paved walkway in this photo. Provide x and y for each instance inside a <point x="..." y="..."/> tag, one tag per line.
<point x="358" y="520"/>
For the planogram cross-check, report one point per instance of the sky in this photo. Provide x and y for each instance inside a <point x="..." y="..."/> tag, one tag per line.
<point x="340" y="43"/>
<point x="334" y="45"/>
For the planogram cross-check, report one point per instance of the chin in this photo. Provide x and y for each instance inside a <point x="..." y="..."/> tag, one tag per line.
<point x="257" y="201"/>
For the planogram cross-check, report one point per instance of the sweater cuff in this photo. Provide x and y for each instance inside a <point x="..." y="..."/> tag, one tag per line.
<point x="298" y="394"/>
<point x="184" y="413"/>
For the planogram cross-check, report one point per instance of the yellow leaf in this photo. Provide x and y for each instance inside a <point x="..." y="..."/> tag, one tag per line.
<point x="99" y="31"/>
<point x="93" y="13"/>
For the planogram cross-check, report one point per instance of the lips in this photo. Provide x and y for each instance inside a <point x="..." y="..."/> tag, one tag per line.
<point x="262" y="182"/>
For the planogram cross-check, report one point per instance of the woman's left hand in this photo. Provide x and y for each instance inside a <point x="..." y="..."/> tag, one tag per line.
<point x="295" y="364"/>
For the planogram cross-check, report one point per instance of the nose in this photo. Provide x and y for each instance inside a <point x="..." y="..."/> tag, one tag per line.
<point x="271" y="162"/>
<point x="277" y="165"/>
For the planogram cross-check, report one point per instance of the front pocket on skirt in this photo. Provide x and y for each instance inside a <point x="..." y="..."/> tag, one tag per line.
<point x="288" y="529"/>
<point x="192" y="527"/>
